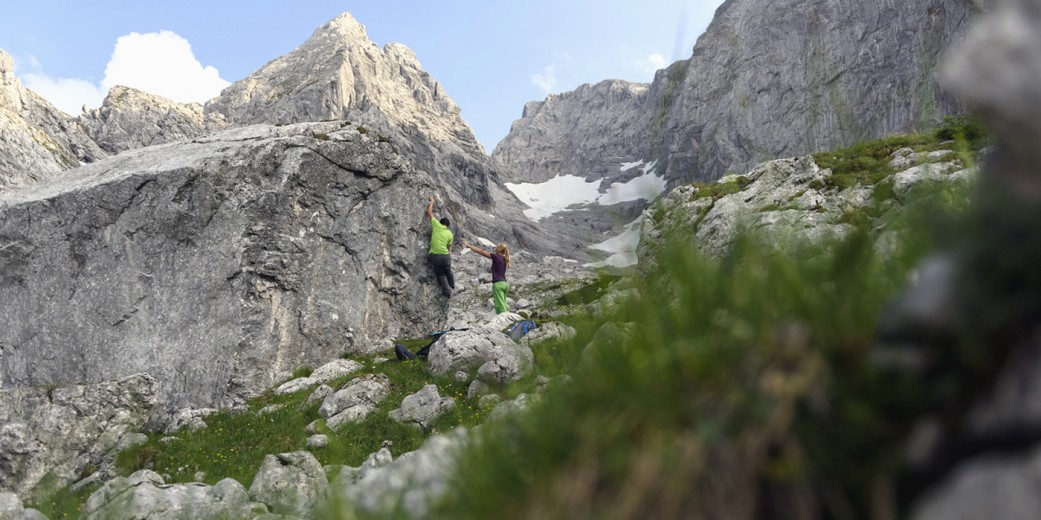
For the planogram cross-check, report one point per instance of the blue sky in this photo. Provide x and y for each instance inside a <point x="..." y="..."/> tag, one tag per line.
<point x="491" y="57"/>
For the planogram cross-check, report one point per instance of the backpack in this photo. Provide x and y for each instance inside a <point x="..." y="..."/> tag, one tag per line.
<point x="520" y="329"/>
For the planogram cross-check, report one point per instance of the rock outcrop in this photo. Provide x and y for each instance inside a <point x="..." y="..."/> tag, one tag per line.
<point x="768" y="79"/>
<point x="217" y="265"/>
<point x="39" y="141"/>
<point x="53" y="435"/>
<point x="145" y="495"/>
<point x="790" y="199"/>
<point x="129" y="118"/>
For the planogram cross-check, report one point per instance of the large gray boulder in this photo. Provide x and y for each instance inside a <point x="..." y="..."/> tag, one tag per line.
<point x="53" y="434"/>
<point x="290" y="483"/>
<point x="145" y="495"/>
<point x="39" y="141"/>
<point x="494" y="356"/>
<point x="217" y="265"/>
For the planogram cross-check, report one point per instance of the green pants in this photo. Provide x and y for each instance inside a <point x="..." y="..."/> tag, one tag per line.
<point x="499" y="292"/>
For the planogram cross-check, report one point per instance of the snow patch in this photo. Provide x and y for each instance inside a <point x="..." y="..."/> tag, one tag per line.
<point x="621" y="247"/>
<point x="554" y="195"/>
<point x="626" y="166"/>
<point x="565" y="191"/>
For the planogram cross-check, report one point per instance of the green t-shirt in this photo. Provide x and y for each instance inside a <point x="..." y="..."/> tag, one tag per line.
<point x="440" y="238"/>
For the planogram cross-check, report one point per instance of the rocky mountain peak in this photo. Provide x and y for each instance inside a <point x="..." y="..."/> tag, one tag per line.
<point x="345" y="26"/>
<point x="10" y="91"/>
<point x="339" y="73"/>
<point x="129" y="118"/>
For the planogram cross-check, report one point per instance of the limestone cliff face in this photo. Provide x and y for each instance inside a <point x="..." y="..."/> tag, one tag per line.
<point x="129" y="118"/>
<point x="37" y="141"/>
<point x="769" y="79"/>
<point x="216" y="265"/>
<point x="602" y="124"/>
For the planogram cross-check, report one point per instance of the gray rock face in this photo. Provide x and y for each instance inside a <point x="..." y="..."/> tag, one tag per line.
<point x="39" y="141"/>
<point x="290" y="483"/>
<point x="768" y="79"/>
<point x="145" y="495"/>
<point x="129" y="118"/>
<point x="214" y="265"/>
<point x="60" y="432"/>
<point x="587" y="132"/>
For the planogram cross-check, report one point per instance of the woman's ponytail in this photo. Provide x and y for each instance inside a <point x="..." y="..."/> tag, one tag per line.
<point x="503" y="251"/>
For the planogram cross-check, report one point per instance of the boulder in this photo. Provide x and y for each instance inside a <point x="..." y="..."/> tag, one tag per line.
<point x="324" y="374"/>
<point x="411" y="483"/>
<point x="355" y="401"/>
<point x="216" y="265"/>
<point x="56" y="433"/>
<point x="495" y="356"/>
<point x="144" y="495"/>
<point x="423" y="408"/>
<point x="290" y="483"/>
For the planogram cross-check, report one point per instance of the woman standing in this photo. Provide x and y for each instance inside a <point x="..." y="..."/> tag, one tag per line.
<point x="500" y="261"/>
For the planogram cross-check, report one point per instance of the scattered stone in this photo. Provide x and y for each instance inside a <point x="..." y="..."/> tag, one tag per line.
<point x="270" y="409"/>
<point x="550" y="330"/>
<point x="60" y="432"/>
<point x="489" y="400"/>
<point x="319" y="394"/>
<point x="423" y="408"/>
<point x="317" y="441"/>
<point x="477" y="388"/>
<point x="192" y="419"/>
<point x="505" y="408"/>
<point x="355" y="401"/>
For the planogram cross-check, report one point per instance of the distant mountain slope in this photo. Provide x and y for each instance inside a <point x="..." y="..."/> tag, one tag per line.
<point x="768" y="79"/>
<point x="37" y="141"/>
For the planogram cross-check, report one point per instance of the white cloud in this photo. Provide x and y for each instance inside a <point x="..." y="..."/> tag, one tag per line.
<point x="546" y="80"/>
<point x="163" y="64"/>
<point x="652" y="63"/>
<point x="69" y="95"/>
<point x="159" y="63"/>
